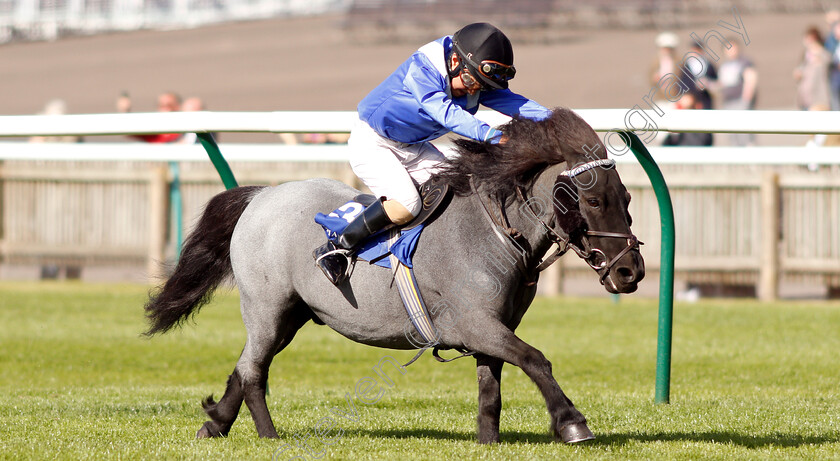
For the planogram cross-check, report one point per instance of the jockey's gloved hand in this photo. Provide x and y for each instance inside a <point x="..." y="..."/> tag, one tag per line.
<point x="494" y="136"/>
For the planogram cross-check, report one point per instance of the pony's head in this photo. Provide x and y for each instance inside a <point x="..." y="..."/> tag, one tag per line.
<point x="562" y="162"/>
<point x="590" y="206"/>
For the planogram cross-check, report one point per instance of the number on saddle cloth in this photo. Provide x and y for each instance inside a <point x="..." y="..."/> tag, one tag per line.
<point x="375" y="247"/>
<point x="435" y="197"/>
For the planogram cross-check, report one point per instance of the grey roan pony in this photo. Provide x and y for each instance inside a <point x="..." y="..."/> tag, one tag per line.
<point x="265" y="236"/>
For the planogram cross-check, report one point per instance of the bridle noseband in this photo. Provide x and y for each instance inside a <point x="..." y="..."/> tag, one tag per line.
<point x="594" y="257"/>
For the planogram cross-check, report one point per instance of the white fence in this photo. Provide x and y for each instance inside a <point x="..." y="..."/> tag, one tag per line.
<point x="53" y="206"/>
<point x="50" y="19"/>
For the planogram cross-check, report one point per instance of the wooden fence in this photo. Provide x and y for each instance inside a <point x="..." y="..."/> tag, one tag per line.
<point x="738" y="225"/>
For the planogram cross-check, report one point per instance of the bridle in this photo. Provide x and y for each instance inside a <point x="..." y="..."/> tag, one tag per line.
<point x="594" y="257"/>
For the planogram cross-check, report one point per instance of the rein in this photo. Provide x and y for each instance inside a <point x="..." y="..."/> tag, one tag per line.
<point x="511" y="232"/>
<point x="594" y="257"/>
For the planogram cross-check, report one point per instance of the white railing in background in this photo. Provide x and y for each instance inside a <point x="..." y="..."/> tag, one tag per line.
<point x="48" y="20"/>
<point x="719" y="192"/>
<point x="602" y="120"/>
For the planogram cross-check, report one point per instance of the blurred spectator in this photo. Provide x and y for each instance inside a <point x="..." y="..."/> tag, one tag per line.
<point x="167" y="102"/>
<point x="193" y="104"/>
<point x="690" y="100"/>
<point x="665" y="62"/>
<point x="704" y="74"/>
<point x="325" y="138"/>
<point x="834" y="74"/>
<point x="288" y="138"/>
<point x="55" y="107"/>
<point x="832" y="18"/>
<point x="738" y="83"/>
<point x="811" y="76"/>
<point x="823" y="140"/>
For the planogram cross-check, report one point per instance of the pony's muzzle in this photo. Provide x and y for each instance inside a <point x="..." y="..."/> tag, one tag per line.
<point x="625" y="275"/>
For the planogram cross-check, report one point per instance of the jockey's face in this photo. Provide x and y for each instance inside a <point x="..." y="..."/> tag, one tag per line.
<point x="458" y="85"/>
<point x="459" y="89"/>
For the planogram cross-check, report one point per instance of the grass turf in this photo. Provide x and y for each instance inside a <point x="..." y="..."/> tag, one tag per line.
<point x="750" y="381"/>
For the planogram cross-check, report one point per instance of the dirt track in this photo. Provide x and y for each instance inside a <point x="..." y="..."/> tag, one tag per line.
<point x="309" y="64"/>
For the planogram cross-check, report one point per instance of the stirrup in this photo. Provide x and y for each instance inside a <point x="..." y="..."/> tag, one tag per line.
<point x="333" y="276"/>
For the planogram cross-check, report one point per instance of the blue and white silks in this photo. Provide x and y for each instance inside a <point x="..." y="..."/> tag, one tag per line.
<point x="376" y="246"/>
<point x="415" y="104"/>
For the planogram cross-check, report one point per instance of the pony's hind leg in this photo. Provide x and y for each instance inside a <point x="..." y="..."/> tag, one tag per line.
<point x="248" y="381"/>
<point x="222" y="414"/>
<point x="269" y="332"/>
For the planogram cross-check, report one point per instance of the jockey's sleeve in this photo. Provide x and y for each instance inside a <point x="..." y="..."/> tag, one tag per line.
<point x="512" y="104"/>
<point x="426" y="87"/>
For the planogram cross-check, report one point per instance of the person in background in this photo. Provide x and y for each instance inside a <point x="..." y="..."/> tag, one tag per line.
<point x="665" y="62"/>
<point x="325" y="138"/>
<point x="811" y="76"/>
<point x="832" y="17"/>
<point x="823" y="140"/>
<point x="690" y="100"/>
<point x="834" y="72"/>
<point x="193" y="104"/>
<point x="704" y="75"/>
<point x="55" y="107"/>
<point x="738" y="85"/>
<point x="167" y="102"/>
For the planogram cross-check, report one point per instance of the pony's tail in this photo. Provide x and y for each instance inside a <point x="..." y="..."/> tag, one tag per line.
<point x="204" y="262"/>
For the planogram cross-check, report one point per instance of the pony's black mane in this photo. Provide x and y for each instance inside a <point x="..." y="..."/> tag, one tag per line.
<point x="532" y="147"/>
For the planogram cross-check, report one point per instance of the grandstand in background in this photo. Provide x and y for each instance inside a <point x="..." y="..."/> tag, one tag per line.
<point x="22" y="20"/>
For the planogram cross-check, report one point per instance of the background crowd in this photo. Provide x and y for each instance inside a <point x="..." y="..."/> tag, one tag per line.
<point x="732" y="82"/>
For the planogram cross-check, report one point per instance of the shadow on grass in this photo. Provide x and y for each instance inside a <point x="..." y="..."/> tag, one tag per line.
<point x="511" y="437"/>
<point x="722" y="437"/>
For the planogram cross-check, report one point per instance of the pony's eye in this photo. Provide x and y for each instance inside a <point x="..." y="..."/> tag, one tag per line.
<point x="593" y="202"/>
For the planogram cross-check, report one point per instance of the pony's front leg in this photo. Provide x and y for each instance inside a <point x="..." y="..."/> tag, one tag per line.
<point x="567" y="423"/>
<point x="489" y="371"/>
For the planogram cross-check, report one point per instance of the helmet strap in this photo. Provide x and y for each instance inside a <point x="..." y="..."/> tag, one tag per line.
<point x="457" y="70"/>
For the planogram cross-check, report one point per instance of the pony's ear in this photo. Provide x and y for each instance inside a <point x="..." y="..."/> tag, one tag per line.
<point x="566" y="208"/>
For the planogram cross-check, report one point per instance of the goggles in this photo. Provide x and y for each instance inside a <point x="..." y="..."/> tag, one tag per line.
<point x="497" y="71"/>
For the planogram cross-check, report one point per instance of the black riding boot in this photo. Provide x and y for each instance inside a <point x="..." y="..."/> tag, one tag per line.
<point x="334" y="259"/>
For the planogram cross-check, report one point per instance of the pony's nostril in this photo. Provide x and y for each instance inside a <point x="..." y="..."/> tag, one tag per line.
<point x="625" y="274"/>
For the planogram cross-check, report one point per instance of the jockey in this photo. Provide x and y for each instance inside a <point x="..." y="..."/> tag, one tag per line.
<point x="436" y="91"/>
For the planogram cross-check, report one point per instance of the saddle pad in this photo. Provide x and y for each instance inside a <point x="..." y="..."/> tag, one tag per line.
<point x="402" y="245"/>
<point x="375" y="246"/>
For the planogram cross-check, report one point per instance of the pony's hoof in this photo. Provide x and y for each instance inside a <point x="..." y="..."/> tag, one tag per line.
<point x="207" y="431"/>
<point x="577" y="432"/>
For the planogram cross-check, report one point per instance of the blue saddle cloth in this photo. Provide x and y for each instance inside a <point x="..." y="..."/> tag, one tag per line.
<point x="375" y="246"/>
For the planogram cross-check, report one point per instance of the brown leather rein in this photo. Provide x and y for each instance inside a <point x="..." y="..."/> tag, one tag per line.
<point x="594" y="257"/>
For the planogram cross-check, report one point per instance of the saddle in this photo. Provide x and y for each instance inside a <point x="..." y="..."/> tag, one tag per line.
<point x="434" y="195"/>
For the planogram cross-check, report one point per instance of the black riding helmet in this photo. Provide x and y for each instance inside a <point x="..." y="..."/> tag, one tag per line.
<point x="486" y="53"/>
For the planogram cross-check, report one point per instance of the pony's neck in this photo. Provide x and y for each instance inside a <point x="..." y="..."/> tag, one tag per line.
<point x="525" y="217"/>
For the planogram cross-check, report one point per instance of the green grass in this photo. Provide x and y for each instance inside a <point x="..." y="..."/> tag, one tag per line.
<point x="750" y="381"/>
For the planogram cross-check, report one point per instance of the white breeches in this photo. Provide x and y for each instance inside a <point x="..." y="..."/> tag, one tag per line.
<point x="392" y="169"/>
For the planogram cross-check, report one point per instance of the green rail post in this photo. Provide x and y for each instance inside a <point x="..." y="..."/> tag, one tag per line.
<point x="666" y="266"/>
<point x="218" y="161"/>
<point x="177" y="207"/>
